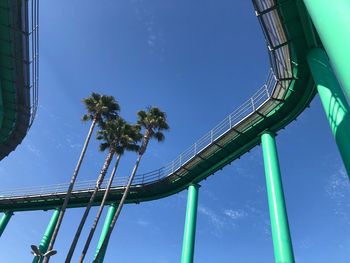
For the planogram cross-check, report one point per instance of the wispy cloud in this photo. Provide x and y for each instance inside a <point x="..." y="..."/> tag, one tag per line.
<point x="338" y="189"/>
<point x="235" y="214"/>
<point x="304" y="244"/>
<point x="3" y="172"/>
<point x="33" y="149"/>
<point x="260" y="218"/>
<point x="212" y="196"/>
<point x="155" y="37"/>
<point x="142" y="223"/>
<point x="71" y="144"/>
<point x="225" y="219"/>
<point x="214" y="218"/>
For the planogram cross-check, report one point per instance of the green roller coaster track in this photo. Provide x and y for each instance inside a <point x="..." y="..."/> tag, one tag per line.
<point x="296" y="37"/>
<point x="18" y="71"/>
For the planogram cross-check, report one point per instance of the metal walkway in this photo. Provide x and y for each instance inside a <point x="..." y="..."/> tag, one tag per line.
<point x="285" y="94"/>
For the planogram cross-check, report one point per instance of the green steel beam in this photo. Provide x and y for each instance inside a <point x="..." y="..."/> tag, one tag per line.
<point x="190" y="224"/>
<point x="109" y="217"/>
<point x="1" y="107"/>
<point x="282" y="243"/>
<point x="332" y="21"/>
<point x="8" y="90"/>
<point x="47" y="235"/>
<point x="333" y="100"/>
<point x="4" y="221"/>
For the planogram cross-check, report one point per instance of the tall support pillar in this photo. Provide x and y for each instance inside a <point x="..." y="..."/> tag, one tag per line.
<point x="282" y="243"/>
<point x="109" y="217"/>
<point x="332" y="20"/>
<point x="190" y="224"/>
<point x="333" y="100"/>
<point x="48" y="234"/>
<point x="4" y="221"/>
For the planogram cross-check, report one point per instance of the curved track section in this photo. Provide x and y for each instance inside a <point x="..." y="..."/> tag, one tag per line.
<point x="18" y="71"/>
<point x="287" y="91"/>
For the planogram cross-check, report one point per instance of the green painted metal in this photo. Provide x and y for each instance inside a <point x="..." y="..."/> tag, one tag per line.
<point x="17" y="107"/>
<point x="332" y="21"/>
<point x="4" y="221"/>
<point x="333" y="100"/>
<point x="7" y="76"/>
<point x="48" y="234"/>
<point x="109" y="217"/>
<point x="1" y="106"/>
<point x="282" y="242"/>
<point x="190" y="224"/>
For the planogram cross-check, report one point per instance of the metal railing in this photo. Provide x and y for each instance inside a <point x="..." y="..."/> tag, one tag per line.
<point x="230" y="122"/>
<point x="33" y="41"/>
<point x="274" y="89"/>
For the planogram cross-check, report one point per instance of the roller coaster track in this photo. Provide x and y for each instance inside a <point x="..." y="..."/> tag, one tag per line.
<point x="19" y="70"/>
<point x="287" y="91"/>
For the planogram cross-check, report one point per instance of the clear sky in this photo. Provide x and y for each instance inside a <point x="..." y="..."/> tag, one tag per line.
<point x="197" y="61"/>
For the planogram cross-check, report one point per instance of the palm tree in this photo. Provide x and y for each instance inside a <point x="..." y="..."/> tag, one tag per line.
<point x="154" y="121"/>
<point x="98" y="107"/>
<point x="122" y="136"/>
<point x="110" y="139"/>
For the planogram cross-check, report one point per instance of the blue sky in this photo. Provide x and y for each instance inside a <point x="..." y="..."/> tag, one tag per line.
<point x="198" y="62"/>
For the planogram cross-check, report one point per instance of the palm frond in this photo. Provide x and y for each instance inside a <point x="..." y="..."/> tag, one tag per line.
<point x="141" y="118"/>
<point x="119" y="150"/>
<point x="119" y="135"/>
<point x="159" y="136"/>
<point x="86" y="117"/>
<point x="102" y="107"/>
<point x="153" y="120"/>
<point x="104" y="146"/>
<point x="133" y="147"/>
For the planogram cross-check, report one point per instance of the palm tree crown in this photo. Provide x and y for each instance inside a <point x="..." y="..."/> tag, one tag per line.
<point x="119" y="135"/>
<point x="100" y="107"/>
<point x="154" y="121"/>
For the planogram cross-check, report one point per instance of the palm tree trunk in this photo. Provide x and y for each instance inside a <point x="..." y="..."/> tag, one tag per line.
<point x="88" y="206"/>
<point x="70" y="189"/>
<point x="100" y="210"/>
<point x="120" y="206"/>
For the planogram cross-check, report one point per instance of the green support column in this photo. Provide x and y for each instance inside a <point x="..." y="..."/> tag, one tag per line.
<point x="333" y="101"/>
<point x="4" y="221"/>
<point x="190" y="224"/>
<point x="109" y="217"/>
<point x="282" y="243"/>
<point x="332" y="21"/>
<point x="47" y="235"/>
